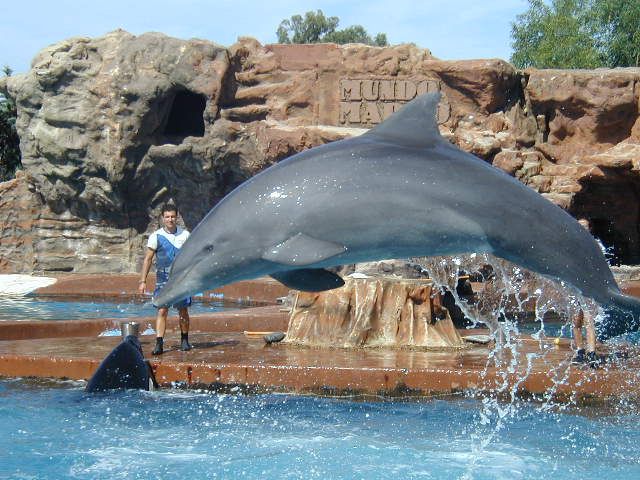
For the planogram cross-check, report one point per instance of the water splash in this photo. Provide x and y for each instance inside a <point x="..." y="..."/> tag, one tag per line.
<point x="510" y="295"/>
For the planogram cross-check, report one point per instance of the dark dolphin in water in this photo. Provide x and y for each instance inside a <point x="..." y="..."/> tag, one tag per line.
<point x="400" y="190"/>
<point x="124" y="368"/>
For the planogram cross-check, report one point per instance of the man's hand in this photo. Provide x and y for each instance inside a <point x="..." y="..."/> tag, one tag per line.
<point x="146" y="266"/>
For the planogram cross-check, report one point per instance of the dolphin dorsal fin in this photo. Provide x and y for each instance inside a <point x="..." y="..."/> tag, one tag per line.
<point x="413" y="125"/>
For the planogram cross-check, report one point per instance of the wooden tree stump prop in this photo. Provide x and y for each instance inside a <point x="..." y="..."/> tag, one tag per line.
<point x="373" y="312"/>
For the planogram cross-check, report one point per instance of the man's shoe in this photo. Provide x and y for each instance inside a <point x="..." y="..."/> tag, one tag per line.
<point x="579" y="358"/>
<point x="158" y="350"/>
<point x="593" y="360"/>
<point x="184" y="342"/>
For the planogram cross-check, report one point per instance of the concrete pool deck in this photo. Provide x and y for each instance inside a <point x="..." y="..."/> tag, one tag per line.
<point x="224" y="357"/>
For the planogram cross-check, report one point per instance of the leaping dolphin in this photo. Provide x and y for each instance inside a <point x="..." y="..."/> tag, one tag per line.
<point x="400" y="190"/>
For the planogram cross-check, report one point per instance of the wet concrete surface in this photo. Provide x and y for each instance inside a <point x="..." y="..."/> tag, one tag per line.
<point x="233" y="358"/>
<point x="253" y="319"/>
<point x="224" y="356"/>
<point x="259" y="291"/>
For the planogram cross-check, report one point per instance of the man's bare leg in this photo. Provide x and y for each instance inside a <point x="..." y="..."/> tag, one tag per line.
<point x="589" y="323"/>
<point x="578" y="339"/>
<point x="183" y="318"/>
<point x="161" y="326"/>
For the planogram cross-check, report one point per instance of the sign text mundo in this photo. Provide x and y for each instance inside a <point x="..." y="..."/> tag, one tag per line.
<point x="371" y="101"/>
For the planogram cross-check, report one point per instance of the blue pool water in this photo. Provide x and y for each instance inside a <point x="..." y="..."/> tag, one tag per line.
<point x="56" y="308"/>
<point x="60" y="432"/>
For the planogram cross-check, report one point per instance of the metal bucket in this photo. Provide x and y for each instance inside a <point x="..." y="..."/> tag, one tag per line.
<point x="129" y="328"/>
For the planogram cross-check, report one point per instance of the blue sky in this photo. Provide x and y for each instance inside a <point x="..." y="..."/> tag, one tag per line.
<point x="451" y="29"/>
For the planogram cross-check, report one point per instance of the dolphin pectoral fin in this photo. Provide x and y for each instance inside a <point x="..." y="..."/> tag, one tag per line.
<point x="309" y="279"/>
<point x="302" y="249"/>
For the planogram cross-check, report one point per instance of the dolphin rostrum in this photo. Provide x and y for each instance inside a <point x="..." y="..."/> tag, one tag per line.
<point x="398" y="191"/>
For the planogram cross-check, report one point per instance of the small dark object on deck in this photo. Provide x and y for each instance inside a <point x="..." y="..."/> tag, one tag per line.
<point x="124" y="368"/>
<point x="274" y="337"/>
<point x="129" y="328"/>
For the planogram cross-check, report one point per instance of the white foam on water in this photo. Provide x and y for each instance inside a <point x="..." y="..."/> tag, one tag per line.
<point x="23" y="284"/>
<point x="121" y="459"/>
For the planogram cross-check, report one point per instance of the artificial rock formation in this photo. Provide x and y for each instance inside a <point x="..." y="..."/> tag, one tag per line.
<point x="112" y="127"/>
<point x="373" y="312"/>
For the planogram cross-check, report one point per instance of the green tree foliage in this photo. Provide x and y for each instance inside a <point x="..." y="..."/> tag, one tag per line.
<point x="619" y="31"/>
<point x="9" y="141"/>
<point x="577" y="34"/>
<point x="553" y="36"/>
<point x="314" y="27"/>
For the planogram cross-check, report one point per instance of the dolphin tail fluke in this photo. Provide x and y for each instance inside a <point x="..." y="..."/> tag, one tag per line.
<point x="623" y="316"/>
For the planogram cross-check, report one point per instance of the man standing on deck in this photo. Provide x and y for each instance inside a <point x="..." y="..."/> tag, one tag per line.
<point x="165" y="243"/>
<point x="586" y="353"/>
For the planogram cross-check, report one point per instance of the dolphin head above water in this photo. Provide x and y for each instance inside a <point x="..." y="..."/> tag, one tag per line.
<point x="238" y="241"/>
<point x="398" y="191"/>
<point x="213" y="257"/>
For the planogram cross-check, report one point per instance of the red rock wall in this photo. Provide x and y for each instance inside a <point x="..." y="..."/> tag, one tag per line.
<point x="103" y="168"/>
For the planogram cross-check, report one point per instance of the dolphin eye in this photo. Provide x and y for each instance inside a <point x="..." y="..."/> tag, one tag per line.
<point x="208" y="248"/>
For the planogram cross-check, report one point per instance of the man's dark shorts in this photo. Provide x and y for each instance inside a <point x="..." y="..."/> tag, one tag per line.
<point x="162" y="276"/>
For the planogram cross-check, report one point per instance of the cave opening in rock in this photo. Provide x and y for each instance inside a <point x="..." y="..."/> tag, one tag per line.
<point x="612" y="207"/>
<point x="185" y="117"/>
